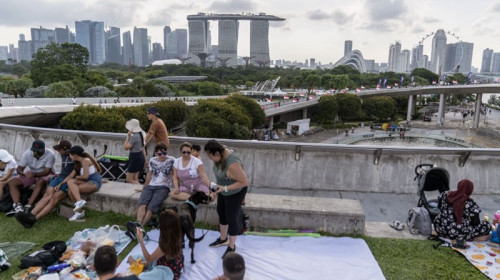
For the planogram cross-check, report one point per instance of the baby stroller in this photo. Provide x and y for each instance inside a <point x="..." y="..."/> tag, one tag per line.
<point x="430" y="179"/>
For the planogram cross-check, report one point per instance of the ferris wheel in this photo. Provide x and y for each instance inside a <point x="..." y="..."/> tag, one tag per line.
<point x="460" y="54"/>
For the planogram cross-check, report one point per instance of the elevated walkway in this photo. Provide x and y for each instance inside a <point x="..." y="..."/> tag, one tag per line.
<point x="333" y="215"/>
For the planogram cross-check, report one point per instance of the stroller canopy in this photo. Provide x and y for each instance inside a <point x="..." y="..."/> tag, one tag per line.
<point x="435" y="179"/>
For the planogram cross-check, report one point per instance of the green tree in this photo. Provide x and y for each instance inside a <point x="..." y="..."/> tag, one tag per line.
<point x="54" y="55"/>
<point x="96" y="79"/>
<point x="209" y="89"/>
<point x="327" y="109"/>
<point x="19" y="70"/>
<point x="19" y="86"/>
<point x="349" y="105"/>
<point x="218" y="119"/>
<point x="426" y="74"/>
<point x="252" y="108"/>
<point x="312" y="80"/>
<point x="340" y="81"/>
<point x="380" y="107"/>
<point x="327" y="81"/>
<point x="61" y="89"/>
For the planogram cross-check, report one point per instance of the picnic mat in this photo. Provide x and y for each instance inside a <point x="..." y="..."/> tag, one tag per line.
<point x="269" y="257"/>
<point x="14" y="250"/>
<point x="485" y="256"/>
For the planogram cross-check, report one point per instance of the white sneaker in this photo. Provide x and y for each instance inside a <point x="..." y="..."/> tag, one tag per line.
<point x="77" y="216"/>
<point x="17" y="207"/>
<point x="79" y="205"/>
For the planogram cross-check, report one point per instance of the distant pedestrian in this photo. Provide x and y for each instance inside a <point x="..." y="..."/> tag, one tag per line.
<point x="2" y="105"/>
<point x="352" y="129"/>
<point x="346" y="132"/>
<point x="73" y="100"/>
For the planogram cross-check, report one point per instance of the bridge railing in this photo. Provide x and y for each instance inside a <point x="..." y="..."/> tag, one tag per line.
<point x="299" y="166"/>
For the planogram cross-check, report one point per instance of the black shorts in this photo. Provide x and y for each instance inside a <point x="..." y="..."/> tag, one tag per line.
<point x="135" y="162"/>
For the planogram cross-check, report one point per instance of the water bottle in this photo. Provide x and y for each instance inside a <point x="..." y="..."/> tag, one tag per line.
<point x="57" y="267"/>
<point x="246" y="223"/>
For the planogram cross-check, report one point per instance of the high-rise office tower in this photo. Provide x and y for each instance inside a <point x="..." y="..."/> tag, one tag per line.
<point x="347" y="47"/>
<point x="438" y="51"/>
<point x="182" y="42"/>
<point x="128" y="49"/>
<point x="171" y="45"/>
<point x="312" y="63"/>
<point x="198" y="36"/>
<point x="98" y="39"/>
<point x="166" y="31"/>
<point x="425" y="61"/>
<point x="259" y="42"/>
<point x="24" y="48"/>
<point x="157" y="53"/>
<point x="141" y="47"/>
<point x="487" y="61"/>
<point x="463" y="57"/>
<point x="228" y="42"/>
<point x="4" y="53"/>
<point x="394" y="56"/>
<point x="40" y="38"/>
<point x="449" y="58"/>
<point x="417" y="57"/>
<point x="91" y="35"/>
<point x="404" y="61"/>
<point x="62" y="35"/>
<point x="113" y="45"/>
<point x="495" y="65"/>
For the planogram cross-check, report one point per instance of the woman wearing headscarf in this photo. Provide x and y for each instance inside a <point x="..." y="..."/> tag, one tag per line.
<point x="459" y="217"/>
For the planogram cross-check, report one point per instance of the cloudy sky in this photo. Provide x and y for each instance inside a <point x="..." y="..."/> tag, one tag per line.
<point x="313" y="28"/>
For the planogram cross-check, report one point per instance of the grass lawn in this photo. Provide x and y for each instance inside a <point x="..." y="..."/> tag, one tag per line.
<point x="398" y="258"/>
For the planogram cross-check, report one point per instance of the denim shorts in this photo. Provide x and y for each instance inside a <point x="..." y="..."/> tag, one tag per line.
<point x="153" y="197"/>
<point x="96" y="179"/>
<point x="55" y="181"/>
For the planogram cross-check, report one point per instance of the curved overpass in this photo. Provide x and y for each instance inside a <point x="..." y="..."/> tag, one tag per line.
<point x="407" y="91"/>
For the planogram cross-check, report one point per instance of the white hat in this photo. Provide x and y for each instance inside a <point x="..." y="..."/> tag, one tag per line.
<point x="133" y="125"/>
<point x="5" y="156"/>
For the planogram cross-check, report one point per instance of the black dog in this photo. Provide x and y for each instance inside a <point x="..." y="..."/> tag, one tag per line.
<point x="187" y="217"/>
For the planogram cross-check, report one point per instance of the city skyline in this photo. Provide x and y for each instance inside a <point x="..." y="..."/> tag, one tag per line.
<point x="311" y="30"/>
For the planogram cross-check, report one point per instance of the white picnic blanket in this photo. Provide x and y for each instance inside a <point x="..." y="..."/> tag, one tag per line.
<point x="279" y="257"/>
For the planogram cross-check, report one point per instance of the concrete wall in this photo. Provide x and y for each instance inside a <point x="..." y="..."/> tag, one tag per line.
<point x="301" y="166"/>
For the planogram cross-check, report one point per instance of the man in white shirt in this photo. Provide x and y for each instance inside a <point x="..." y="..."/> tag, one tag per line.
<point x="40" y="162"/>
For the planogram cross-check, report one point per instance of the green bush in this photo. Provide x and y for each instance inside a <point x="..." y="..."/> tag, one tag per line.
<point x="252" y="108"/>
<point x="61" y="89"/>
<point x="93" y="118"/>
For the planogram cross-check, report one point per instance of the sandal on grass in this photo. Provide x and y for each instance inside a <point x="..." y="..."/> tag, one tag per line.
<point x="397" y="225"/>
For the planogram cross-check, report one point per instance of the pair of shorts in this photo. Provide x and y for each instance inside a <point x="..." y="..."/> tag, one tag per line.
<point x="198" y="188"/>
<point x="135" y="162"/>
<point x="153" y="197"/>
<point x="56" y="181"/>
<point x="30" y="181"/>
<point x="96" y="179"/>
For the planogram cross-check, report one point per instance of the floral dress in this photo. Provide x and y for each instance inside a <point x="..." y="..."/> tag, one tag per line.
<point x="176" y="264"/>
<point x="446" y="226"/>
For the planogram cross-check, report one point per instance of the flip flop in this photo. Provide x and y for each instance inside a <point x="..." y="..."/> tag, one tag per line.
<point x="397" y="225"/>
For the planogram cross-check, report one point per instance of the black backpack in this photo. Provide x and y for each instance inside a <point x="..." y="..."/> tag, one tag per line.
<point x="47" y="256"/>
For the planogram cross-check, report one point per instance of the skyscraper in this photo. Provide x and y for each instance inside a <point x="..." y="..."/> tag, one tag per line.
<point x="40" y="38"/>
<point x="394" y="56"/>
<point x="404" y="61"/>
<point x="495" y="65"/>
<point x="417" y="57"/>
<point x="449" y="58"/>
<point x="158" y="53"/>
<point x="259" y="42"/>
<point x="487" y="61"/>
<point x="113" y="45"/>
<point x="62" y="35"/>
<point x="141" y="47"/>
<point x="4" y="53"/>
<point x="228" y="42"/>
<point x="90" y="34"/>
<point x="347" y="47"/>
<point x="166" y="31"/>
<point x="24" y="48"/>
<point x="438" y="51"/>
<point x="128" y="49"/>
<point x="464" y="50"/>
<point x="198" y="35"/>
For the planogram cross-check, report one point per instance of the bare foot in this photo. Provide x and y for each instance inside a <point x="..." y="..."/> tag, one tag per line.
<point x="138" y="189"/>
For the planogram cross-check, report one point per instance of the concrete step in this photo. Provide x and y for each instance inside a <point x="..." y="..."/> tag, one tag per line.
<point x="333" y="215"/>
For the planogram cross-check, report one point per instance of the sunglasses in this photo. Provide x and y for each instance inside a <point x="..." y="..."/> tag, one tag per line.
<point x="186" y="152"/>
<point x="161" y="154"/>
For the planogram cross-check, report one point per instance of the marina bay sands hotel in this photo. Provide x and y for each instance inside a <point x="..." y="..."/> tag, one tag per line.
<point x="199" y="33"/>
